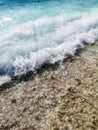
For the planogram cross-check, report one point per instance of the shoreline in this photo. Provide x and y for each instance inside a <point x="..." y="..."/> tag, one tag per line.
<point x="65" y="98"/>
<point x="30" y="75"/>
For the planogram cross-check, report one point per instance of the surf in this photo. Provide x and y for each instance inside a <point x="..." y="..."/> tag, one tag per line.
<point x="36" y="32"/>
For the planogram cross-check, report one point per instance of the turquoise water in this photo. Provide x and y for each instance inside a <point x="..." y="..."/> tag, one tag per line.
<point x="33" y="32"/>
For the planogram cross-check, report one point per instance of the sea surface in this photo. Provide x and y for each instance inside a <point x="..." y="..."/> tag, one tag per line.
<point x="33" y="32"/>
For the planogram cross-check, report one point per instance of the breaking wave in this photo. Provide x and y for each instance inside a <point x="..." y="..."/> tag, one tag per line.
<point x="33" y="33"/>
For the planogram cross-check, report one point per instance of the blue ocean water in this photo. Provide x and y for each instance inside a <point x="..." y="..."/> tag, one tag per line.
<point x="33" y="32"/>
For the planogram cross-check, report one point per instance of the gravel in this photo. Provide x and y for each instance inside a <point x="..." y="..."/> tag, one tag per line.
<point x="61" y="99"/>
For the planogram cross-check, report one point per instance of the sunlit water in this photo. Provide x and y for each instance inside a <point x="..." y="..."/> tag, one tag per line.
<point x="33" y="32"/>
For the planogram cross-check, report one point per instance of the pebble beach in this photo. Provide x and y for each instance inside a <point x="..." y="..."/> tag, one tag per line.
<point x="62" y="99"/>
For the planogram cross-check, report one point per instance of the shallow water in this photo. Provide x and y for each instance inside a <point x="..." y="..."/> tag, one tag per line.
<point x="36" y="31"/>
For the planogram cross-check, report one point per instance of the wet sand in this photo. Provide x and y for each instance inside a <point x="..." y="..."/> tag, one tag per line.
<point x="62" y="99"/>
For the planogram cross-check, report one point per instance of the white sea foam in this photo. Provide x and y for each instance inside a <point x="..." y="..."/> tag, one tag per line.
<point x="4" y="79"/>
<point x="26" y="44"/>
